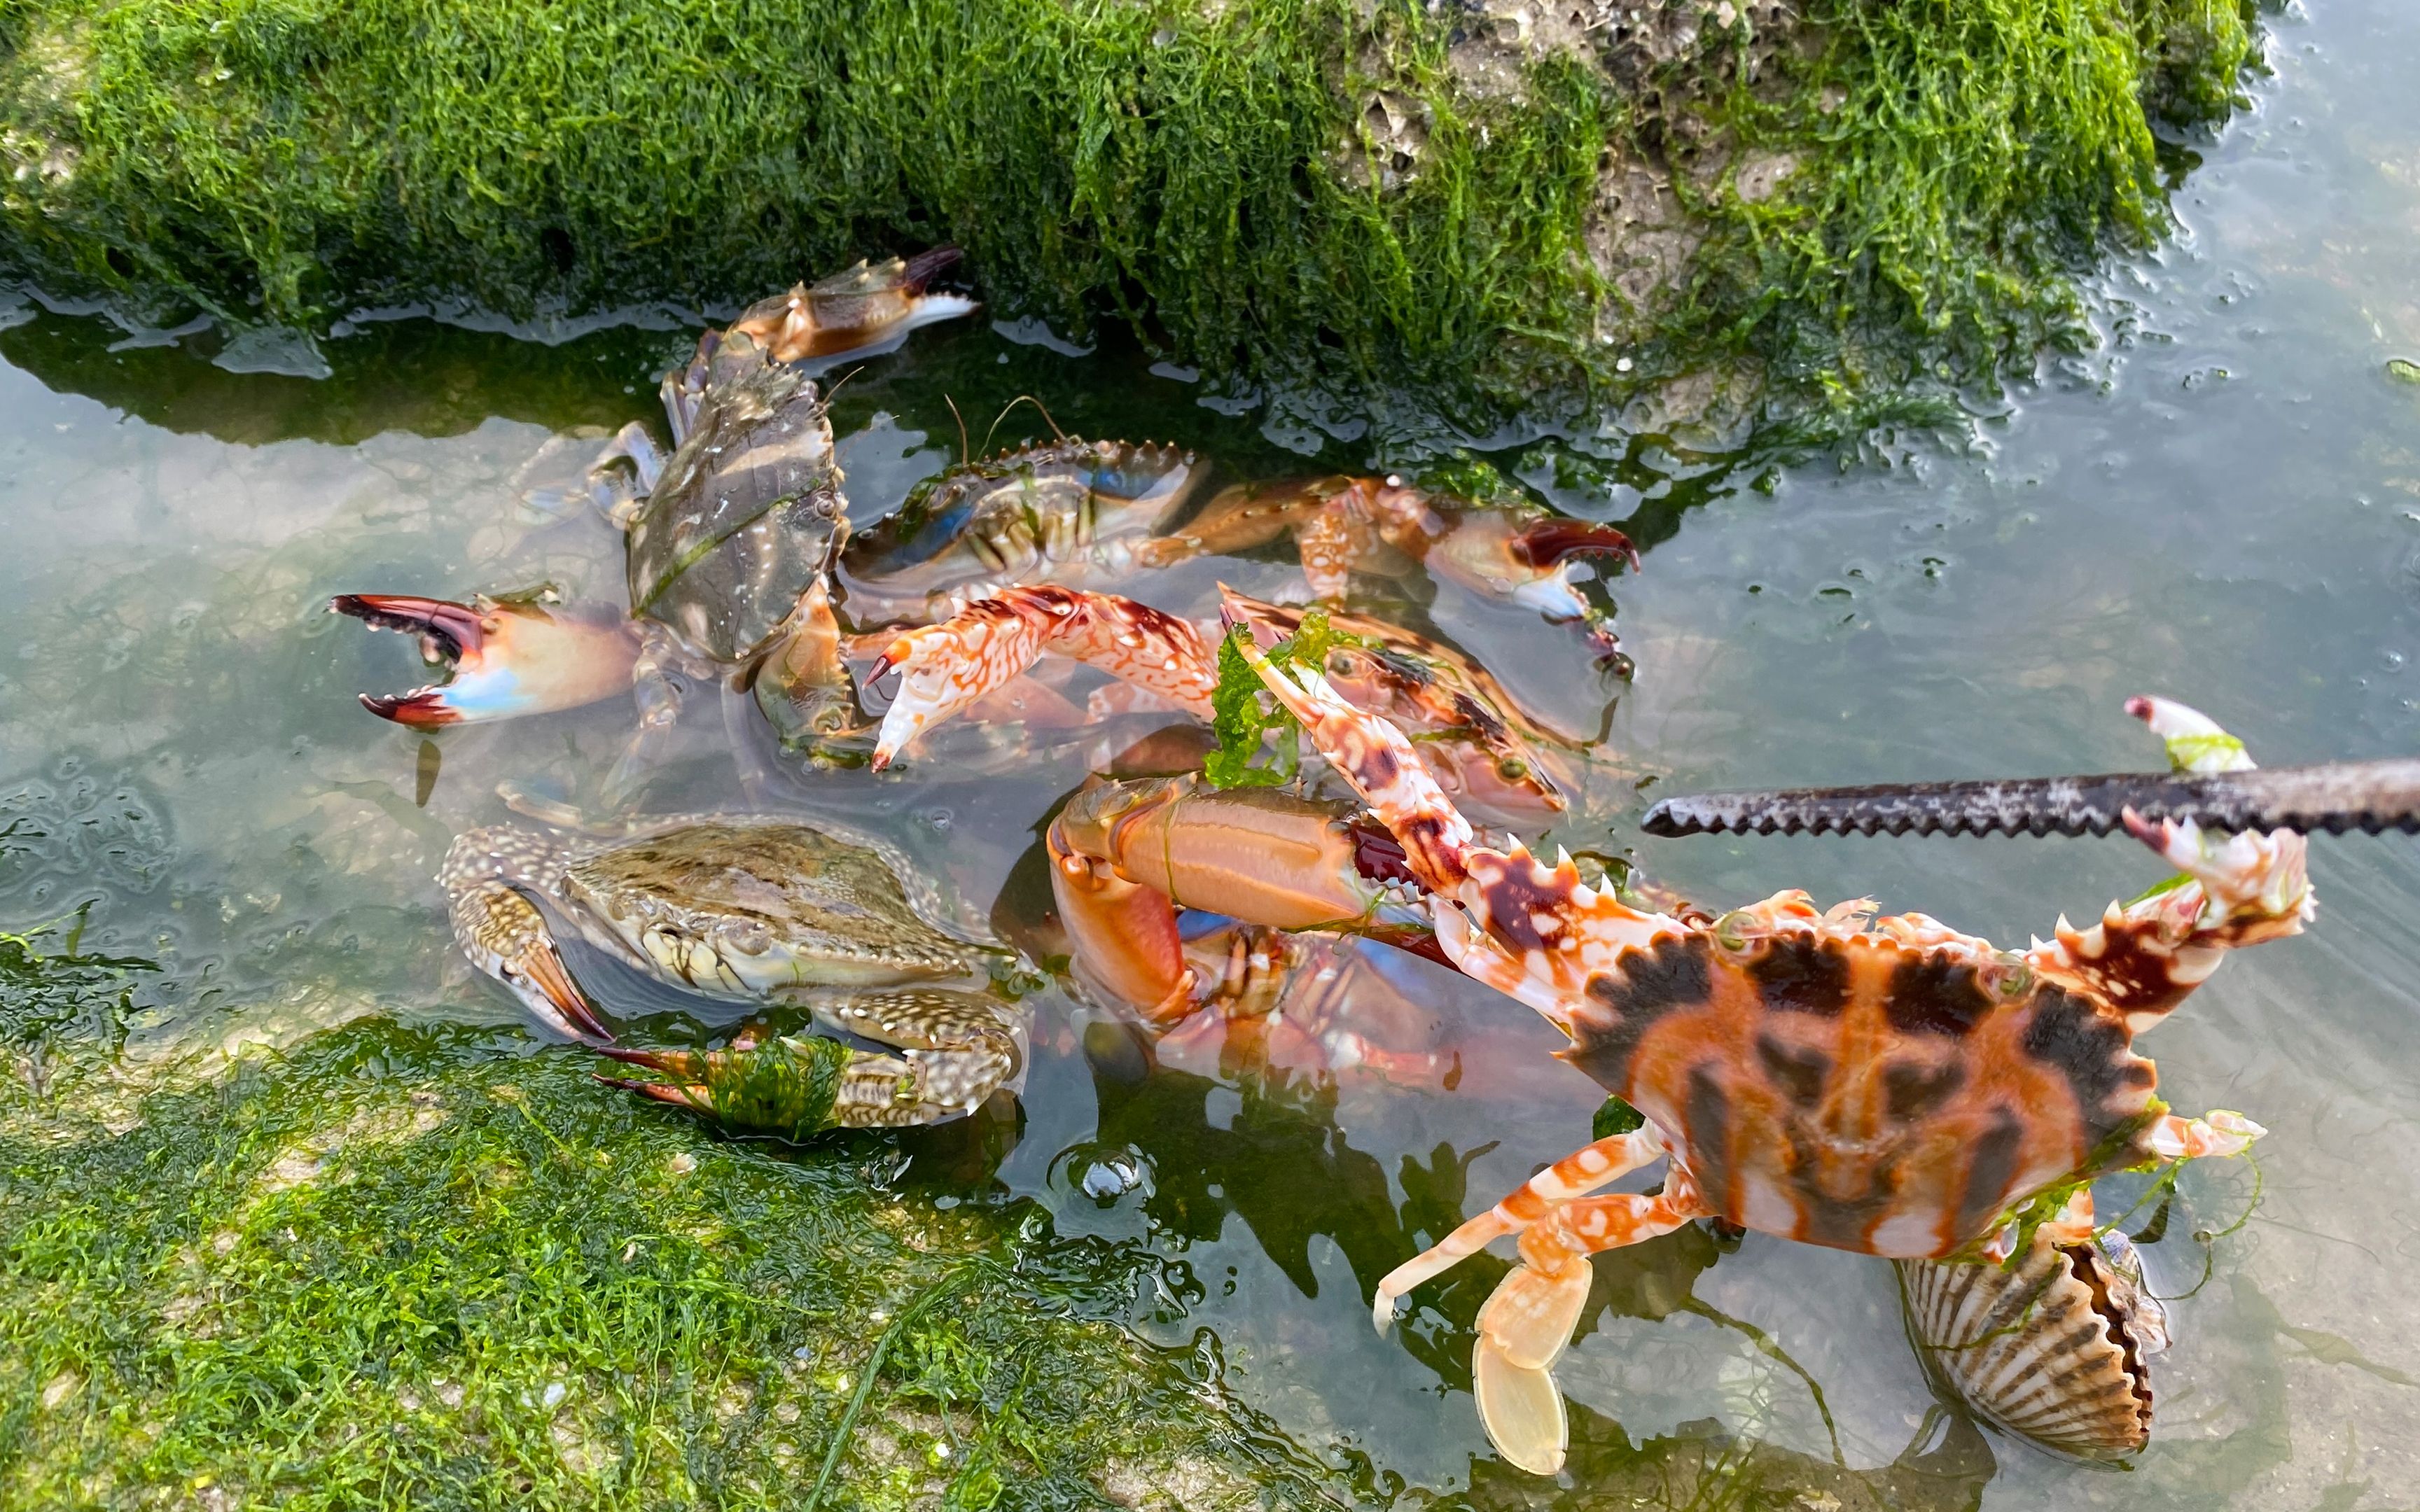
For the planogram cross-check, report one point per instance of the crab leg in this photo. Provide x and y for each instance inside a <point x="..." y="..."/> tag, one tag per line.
<point x="2146" y="957"/>
<point x="1574" y="1176"/>
<point x="615" y="492"/>
<point x="1534" y="932"/>
<point x="1529" y="1319"/>
<point x="507" y="657"/>
<point x="945" y="666"/>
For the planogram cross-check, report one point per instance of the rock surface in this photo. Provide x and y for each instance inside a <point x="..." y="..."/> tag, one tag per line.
<point x="1490" y="202"/>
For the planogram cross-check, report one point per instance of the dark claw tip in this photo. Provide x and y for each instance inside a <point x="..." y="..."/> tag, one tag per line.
<point x="422" y="710"/>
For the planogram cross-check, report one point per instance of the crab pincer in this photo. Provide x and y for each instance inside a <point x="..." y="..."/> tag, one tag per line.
<point x="505" y="657"/>
<point x="854" y="309"/>
<point x="792" y="1085"/>
<point x="1125" y="855"/>
<point x="505" y="935"/>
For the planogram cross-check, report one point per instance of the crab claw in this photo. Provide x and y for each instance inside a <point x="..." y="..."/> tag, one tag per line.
<point x="794" y="1086"/>
<point x="1549" y="543"/>
<point x="505" y="936"/>
<point x="2254" y="886"/>
<point x="2195" y="741"/>
<point x="1528" y="564"/>
<point x="855" y="309"/>
<point x="2220" y="1132"/>
<point x="507" y="657"/>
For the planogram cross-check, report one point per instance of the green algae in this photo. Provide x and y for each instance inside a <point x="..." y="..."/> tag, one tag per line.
<point x="1273" y="190"/>
<point x="1958" y="161"/>
<point x="395" y="1268"/>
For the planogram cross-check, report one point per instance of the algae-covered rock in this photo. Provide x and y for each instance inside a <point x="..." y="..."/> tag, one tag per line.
<point x="400" y="1269"/>
<point x="1481" y="199"/>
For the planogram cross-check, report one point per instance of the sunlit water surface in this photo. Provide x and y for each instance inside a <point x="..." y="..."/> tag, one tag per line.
<point x="2221" y="504"/>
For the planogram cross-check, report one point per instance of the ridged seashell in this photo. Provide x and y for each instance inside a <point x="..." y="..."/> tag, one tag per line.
<point x="2051" y="1351"/>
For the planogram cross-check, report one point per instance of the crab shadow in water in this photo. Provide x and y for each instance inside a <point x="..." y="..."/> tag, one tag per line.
<point x="1279" y="1163"/>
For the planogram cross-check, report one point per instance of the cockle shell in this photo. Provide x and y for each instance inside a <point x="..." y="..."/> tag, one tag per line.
<point x="2052" y="1350"/>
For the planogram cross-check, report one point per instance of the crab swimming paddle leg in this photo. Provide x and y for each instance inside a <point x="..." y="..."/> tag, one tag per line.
<point x="1528" y="1320"/>
<point x="943" y="667"/>
<point x="1575" y="1176"/>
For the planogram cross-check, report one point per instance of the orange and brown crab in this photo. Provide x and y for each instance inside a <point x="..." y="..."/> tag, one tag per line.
<point x="1473" y="738"/>
<point x="1886" y="1086"/>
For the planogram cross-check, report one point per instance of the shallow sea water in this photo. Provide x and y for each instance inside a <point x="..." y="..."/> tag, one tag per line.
<point x="2222" y="504"/>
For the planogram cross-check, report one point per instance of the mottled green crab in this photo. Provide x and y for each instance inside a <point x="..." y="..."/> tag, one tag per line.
<point x="767" y="910"/>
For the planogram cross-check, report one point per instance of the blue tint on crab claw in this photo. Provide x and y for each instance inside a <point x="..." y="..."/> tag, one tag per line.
<point x="507" y="658"/>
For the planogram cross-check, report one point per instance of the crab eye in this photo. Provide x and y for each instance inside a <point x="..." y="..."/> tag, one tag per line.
<point x="1735" y="930"/>
<point x="2009" y="977"/>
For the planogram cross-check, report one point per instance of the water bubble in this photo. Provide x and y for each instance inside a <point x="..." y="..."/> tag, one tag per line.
<point x="1104" y="1172"/>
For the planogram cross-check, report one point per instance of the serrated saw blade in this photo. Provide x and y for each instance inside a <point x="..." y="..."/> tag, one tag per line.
<point x="2334" y="796"/>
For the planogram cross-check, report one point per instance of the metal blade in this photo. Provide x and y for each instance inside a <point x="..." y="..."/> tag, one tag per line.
<point x="2334" y="796"/>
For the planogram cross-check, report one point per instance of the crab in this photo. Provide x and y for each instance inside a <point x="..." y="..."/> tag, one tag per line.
<point x="760" y="910"/>
<point x="1075" y="511"/>
<point x="1345" y="524"/>
<point x="1884" y="1085"/>
<point x="732" y="542"/>
<point x="732" y="537"/>
<point x="1472" y="737"/>
<point x="1069" y="510"/>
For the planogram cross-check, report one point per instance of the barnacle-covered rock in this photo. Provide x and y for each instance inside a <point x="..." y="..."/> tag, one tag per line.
<point x="2052" y="1348"/>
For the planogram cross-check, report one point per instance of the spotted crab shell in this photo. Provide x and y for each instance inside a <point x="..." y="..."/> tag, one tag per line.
<point x="2053" y="1350"/>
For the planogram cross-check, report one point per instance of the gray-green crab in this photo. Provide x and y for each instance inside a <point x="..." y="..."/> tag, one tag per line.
<point x="733" y="537"/>
<point x="764" y="910"/>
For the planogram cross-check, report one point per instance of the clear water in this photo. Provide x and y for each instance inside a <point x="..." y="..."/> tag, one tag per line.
<point x="2223" y="504"/>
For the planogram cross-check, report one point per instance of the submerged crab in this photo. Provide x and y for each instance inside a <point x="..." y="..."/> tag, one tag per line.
<point x="1473" y="740"/>
<point x="732" y="544"/>
<point x="1075" y="511"/>
<point x="1884" y="1085"/>
<point x="1071" y="512"/>
<point x="1343" y="525"/>
<point x="758" y="910"/>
